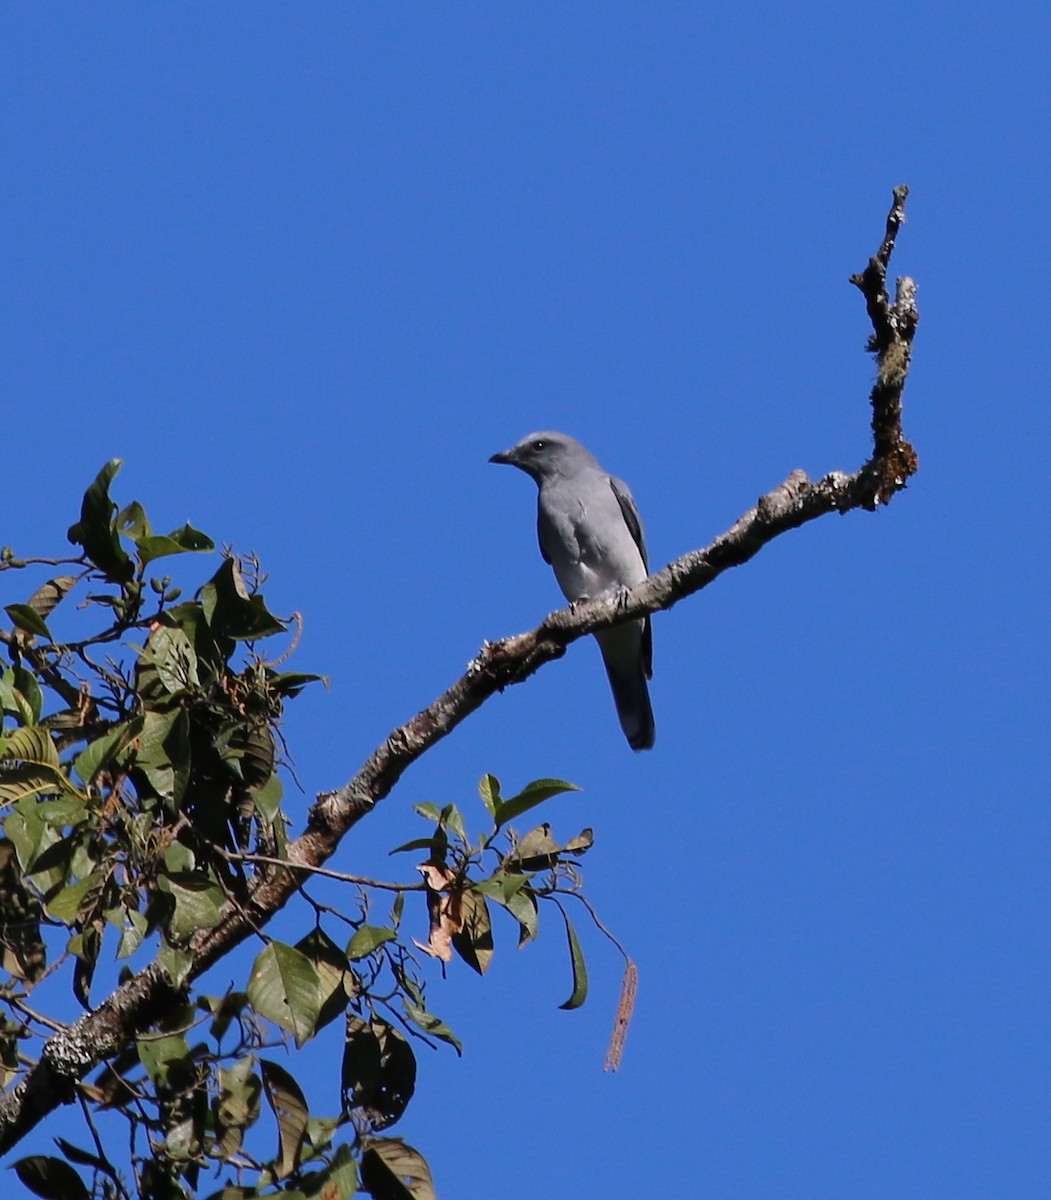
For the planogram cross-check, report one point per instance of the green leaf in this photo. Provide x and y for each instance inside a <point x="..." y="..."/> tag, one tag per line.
<point x="510" y="883"/>
<point x="290" y="1108"/>
<point x="378" y="1076"/>
<point x="335" y="978"/>
<point x="284" y="987"/>
<point x="83" y="1158"/>
<point x="367" y="939"/>
<point x="133" y="522"/>
<point x="132" y="934"/>
<point x="19" y="783"/>
<point x="474" y="942"/>
<point x="432" y="1025"/>
<point x="511" y="892"/>
<point x="580" y="971"/>
<point x="67" y="904"/>
<point x="452" y="819"/>
<point x="164" y="753"/>
<point x="21" y="695"/>
<point x="252" y="752"/>
<point x="237" y="1105"/>
<point x="23" y="954"/>
<point x="489" y="790"/>
<point x="581" y="843"/>
<point x="183" y="1139"/>
<point x="158" y="1054"/>
<point x="529" y="797"/>
<point x="172" y="653"/>
<point x="179" y="857"/>
<point x="225" y="1010"/>
<point x="320" y="1132"/>
<point x="429" y="811"/>
<point x="27" y="619"/>
<point x="155" y="729"/>
<point x="51" y="1178"/>
<point x="96" y="531"/>
<point x="267" y="799"/>
<point x="339" y="1180"/>
<point x="30" y="744"/>
<point x="86" y="946"/>
<point x="108" y="747"/>
<point x="291" y="683"/>
<point x="180" y="541"/>
<point x="31" y="838"/>
<point x="158" y="1181"/>
<point x="198" y="902"/>
<point x="392" y="1170"/>
<point x="415" y="844"/>
<point x="232" y="611"/>
<point x="177" y="749"/>
<point x="11" y="701"/>
<point x="58" y="858"/>
<point x="60" y="813"/>
<point x="176" y="962"/>
<point x="538" y="850"/>
<point x="49" y="595"/>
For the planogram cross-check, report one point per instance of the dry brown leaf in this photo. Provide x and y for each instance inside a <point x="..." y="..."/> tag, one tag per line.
<point x="444" y="907"/>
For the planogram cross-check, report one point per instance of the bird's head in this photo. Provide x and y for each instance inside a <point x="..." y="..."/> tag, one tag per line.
<point x="546" y="455"/>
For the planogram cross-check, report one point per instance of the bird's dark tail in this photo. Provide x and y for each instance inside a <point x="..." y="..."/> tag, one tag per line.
<point x="632" y="698"/>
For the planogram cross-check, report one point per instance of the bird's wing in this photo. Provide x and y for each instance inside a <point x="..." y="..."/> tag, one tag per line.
<point x="540" y="534"/>
<point x="631" y="516"/>
<point x="634" y="523"/>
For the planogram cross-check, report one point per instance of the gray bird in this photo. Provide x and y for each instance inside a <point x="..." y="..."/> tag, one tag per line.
<point x="590" y="533"/>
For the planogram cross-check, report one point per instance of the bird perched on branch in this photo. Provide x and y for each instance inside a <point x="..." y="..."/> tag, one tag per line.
<point x="591" y="534"/>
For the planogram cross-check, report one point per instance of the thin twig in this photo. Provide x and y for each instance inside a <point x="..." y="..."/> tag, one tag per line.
<point x="14" y="564"/>
<point x="591" y="912"/>
<point x="33" y="1015"/>
<point x="342" y="876"/>
<point x="108" y="1167"/>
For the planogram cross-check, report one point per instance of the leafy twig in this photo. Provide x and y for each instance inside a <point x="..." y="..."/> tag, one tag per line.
<point x="341" y="876"/>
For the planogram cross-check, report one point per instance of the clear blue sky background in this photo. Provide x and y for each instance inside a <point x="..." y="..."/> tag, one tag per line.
<point x="305" y="267"/>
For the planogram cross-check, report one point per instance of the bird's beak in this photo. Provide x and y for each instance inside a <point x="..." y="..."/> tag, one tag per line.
<point x="503" y="457"/>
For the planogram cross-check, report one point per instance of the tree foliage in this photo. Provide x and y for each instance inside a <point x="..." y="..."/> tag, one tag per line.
<point x="141" y="792"/>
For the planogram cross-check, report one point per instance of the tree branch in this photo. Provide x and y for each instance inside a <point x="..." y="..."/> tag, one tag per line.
<point x="71" y="1053"/>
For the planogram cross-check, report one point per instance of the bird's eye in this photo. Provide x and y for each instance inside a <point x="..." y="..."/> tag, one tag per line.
<point x="539" y="445"/>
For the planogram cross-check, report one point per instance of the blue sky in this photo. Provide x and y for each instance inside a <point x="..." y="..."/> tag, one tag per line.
<point x="305" y="267"/>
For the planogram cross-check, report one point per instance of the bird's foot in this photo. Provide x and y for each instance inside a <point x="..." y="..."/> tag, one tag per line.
<point x="620" y="592"/>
